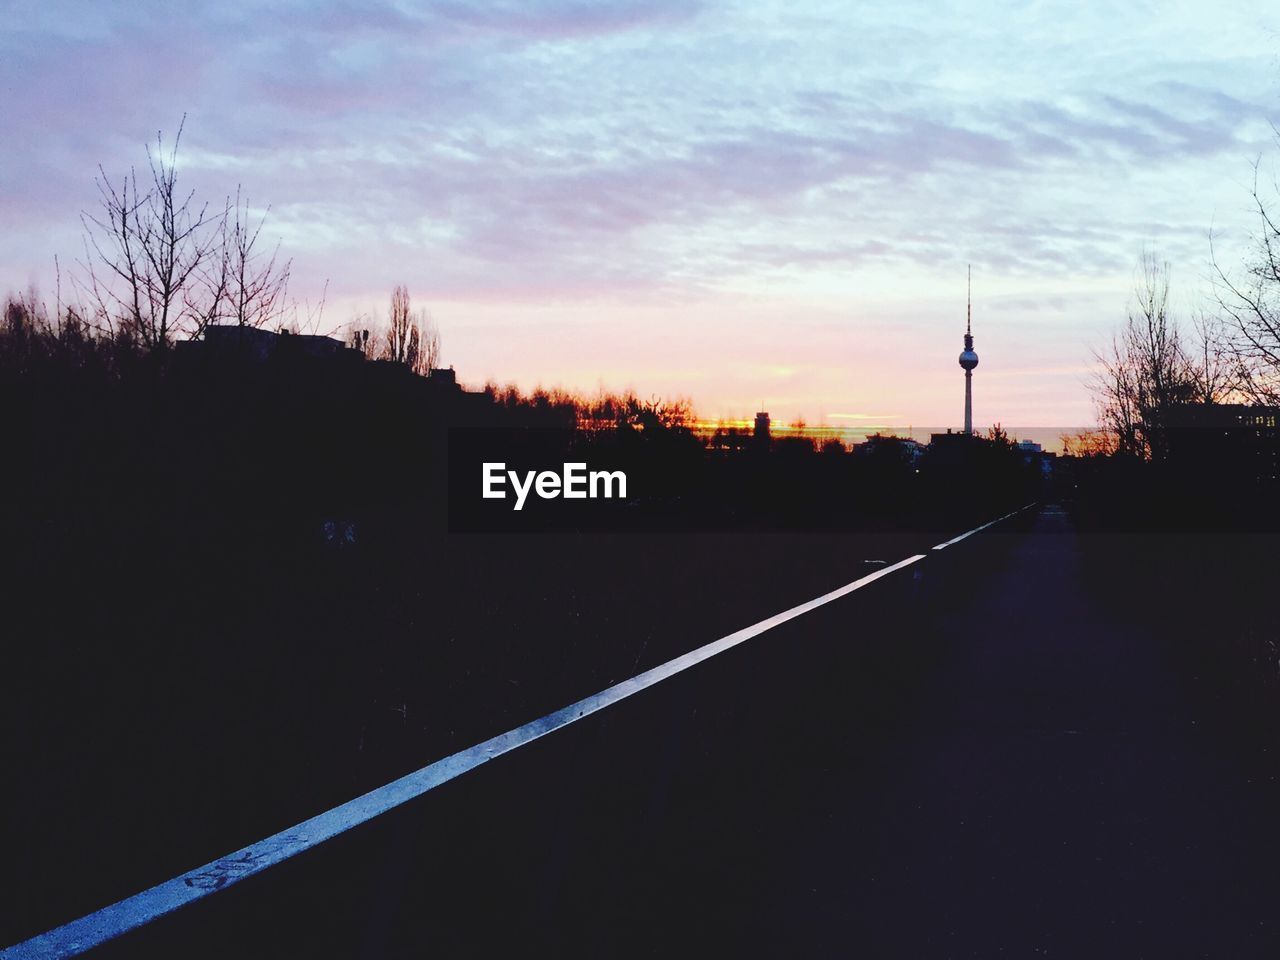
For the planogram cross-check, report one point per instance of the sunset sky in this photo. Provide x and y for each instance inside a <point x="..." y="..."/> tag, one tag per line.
<point x="737" y="202"/>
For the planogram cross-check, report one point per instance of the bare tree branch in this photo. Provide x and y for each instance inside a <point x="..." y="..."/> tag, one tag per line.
<point x="1145" y="370"/>
<point x="146" y="252"/>
<point x="1250" y="305"/>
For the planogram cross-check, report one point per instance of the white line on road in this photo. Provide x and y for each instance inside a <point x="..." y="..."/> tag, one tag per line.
<point x="90" y="931"/>
<point x="989" y="523"/>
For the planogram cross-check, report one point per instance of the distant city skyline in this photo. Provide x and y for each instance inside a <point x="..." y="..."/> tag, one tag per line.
<point x="729" y="202"/>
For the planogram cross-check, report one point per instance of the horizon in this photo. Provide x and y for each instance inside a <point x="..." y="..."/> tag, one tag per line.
<point x="724" y="202"/>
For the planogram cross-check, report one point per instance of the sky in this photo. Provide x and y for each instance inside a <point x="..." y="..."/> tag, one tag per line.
<point x="739" y="203"/>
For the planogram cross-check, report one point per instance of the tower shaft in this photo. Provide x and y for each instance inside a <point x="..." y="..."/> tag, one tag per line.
<point x="968" y="402"/>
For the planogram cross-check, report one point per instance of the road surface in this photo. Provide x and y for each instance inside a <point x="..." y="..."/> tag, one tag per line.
<point x="973" y="757"/>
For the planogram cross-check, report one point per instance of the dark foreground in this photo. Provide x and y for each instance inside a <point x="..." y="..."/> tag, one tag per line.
<point x="987" y="754"/>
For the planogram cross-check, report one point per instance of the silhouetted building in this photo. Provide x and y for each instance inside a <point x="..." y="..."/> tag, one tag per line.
<point x="292" y="358"/>
<point x="1226" y="442"/>
<point x="443" y="377"/>
<point x="234" y="342"/>
<point x="951" y="449"/>
<point x="881" y="447"/>
<point x="762" y="435"/>
<point x="1033" y="454"/>
<point x="254" y="345"/>
<point x="313" y="346"/>
<point x="730" y="440"/>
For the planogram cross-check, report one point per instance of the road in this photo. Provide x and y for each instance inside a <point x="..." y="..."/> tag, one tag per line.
<point x="973" y="757"/>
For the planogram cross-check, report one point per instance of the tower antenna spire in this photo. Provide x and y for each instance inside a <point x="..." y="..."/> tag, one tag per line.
<point x="968" y="359"/>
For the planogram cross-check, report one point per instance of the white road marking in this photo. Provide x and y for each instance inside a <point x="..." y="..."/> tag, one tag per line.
<point x="989" y="523"/>
<point x="97" y="928"/>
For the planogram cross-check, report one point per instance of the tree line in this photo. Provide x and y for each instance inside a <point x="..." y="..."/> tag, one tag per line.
<point x="160" y="265"/>
<point x="1229" y="351"/>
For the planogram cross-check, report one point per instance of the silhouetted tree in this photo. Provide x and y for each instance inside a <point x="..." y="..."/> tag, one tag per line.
<point x="1145" y="370"/>
<point x="252" y="283"/>
<point x="399" y="325"/>
<point x="652" y="415"/>
<point x="424" y="346"/>
<point x="160" y="266"/>
<point x="148" y="253"/>
<point x="1215" y="371"/>
<point x="1251" y="306"/>
<point x="411" y="338"/>
<point x="1089" y="443"/>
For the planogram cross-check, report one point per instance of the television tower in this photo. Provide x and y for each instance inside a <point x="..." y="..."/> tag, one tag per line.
<point x="968" y="359"/>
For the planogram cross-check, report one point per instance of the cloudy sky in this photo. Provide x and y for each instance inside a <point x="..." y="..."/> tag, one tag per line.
<point x="737" y="202"/>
